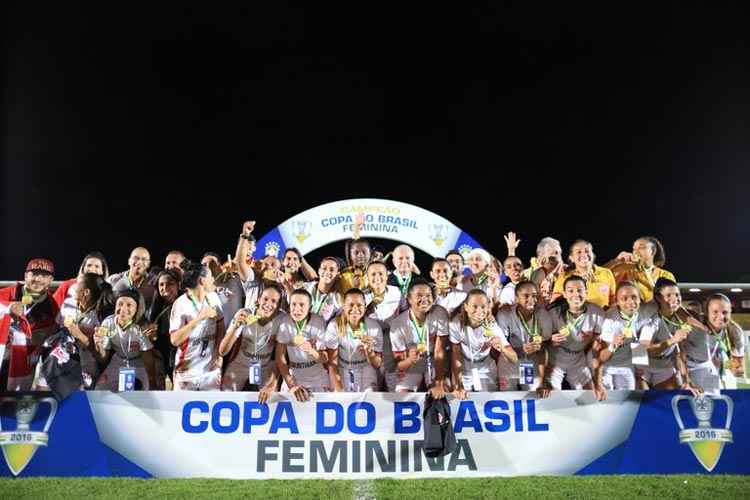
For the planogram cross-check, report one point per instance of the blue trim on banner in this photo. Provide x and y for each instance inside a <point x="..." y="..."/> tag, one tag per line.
<point x="74" y="447"/>
<point x="653" y="446"/>
<point x="270" y="238"/>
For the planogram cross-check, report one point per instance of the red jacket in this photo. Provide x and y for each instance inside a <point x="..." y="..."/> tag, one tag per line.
<point x="40" y="322"/>
<point x="62" y="291"/>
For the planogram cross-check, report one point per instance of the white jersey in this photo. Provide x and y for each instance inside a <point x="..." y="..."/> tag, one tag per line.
<point x="389" y="306"/>
<point x="615" y="324"/>
<point x="313" y="331"/>
<point x="520" y="332"/>
<point x="657" y="330"/>
<point x="351" y="350"/>
<point x="508" y="294"/>
<point x="194" y="354"/>
<point x="257" y="340"/>
<point x="326" y="305"/>
<point x="475" y="341"/>
<point x="701" y="346"/>
<point x="127" y="343"/>
<point x="581" y="330"/>
<point x="69" y="306"/>
<point x="405" y="334"/>
<point x="451" y="300"/>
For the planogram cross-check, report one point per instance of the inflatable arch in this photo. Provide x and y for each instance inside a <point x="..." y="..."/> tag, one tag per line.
<point x="388" y="219"/>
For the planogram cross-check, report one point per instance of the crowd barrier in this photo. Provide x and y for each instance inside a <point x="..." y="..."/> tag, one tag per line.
<point x="370" y="435"/>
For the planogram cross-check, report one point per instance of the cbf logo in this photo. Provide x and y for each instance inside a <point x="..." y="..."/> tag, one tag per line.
<point x="20" y="444"/>
<point x="706" y="441"/>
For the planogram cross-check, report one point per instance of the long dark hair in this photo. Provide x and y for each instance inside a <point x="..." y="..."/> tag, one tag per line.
<point x="660" y="256"/>
<point x="101" y="294"/>
<point x="192" y="272"/>
<point x="159" y="304"/>
<point x="561" y="303"/>
<point x="95" y="255"/>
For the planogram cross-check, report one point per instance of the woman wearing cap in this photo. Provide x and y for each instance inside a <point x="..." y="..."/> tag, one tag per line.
<point x="577" y="325"/>
<point x="526" y="324"/>
<point x="28" y="315"/>
<point x="418" y="338"/>
<point x="65" y="295"/>
<point x="302" y="347"/>
<point x="196" y="328"/>
<point x="473" y="335"/>
<point x="643" y="266"/>
<point x="621" y="332"/>
<point x="360" y="346"/>
<point x="663" y="335"/>
<point x="120" y="339"/>
<point x="252" y="363"/>
<point x="718" y="349"/>
<point x="326" y="300"/>
<point x="94" y="302"/>
<point x="600" y="283"/>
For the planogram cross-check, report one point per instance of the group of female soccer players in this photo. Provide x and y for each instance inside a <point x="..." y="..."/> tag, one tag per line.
<point x="374" y="322"/>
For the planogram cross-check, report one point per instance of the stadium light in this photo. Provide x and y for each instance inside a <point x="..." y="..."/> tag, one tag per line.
<point x="694" y="290"/>
<point x="736" y="290"/>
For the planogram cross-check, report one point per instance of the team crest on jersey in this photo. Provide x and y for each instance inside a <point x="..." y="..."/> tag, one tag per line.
<point x="272" y="249"/>
<point x="438" y="233"/>
<point x="21" y="433"/>
<point x="706" y="441"/>
<point x="301" y="230"/>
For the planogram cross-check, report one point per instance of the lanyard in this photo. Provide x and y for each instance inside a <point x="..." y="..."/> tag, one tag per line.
<point x="318" y="300"/>
<point x="573" y="325"/>
<point x="127" y="352"/>
<point x="532" y="332"/>
<point x="352" y="338"/>
<point x="421" y="332"/>
<point x="403" y="283"/>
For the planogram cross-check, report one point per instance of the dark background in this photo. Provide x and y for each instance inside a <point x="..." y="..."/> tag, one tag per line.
<point x="167" y="126"/>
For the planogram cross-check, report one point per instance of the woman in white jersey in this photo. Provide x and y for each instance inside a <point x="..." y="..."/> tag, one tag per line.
<point x="195" y="328"/>
<point x="301" y="349"/>
<point x="446" y="296"/>
<point x="326" y="299"/>
<point x="418" y="337"/>
<point x="720" y="348"/>
<point x="360" y="346"/>
<point x="252" y="363"/>
<point x="94" y="302"/>
<point x="473" y="335"/>
<point x="667" y="329"/>
<point x="120" y="336"/>
<point x="526" y="325"/>
<point x="577" y="325"/>
<point x="621" y="331"/>
<point x="383" y="302"/>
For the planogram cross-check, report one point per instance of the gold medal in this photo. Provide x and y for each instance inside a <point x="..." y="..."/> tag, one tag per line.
<point x="564" y="331"/>
<point x="252" y="319"/>
<point x="627" y="332"/>
<point x="298" y="339"/>
<point x="537" y="339"/>
<point x="421" y="348"/>
<point x="488" y="333"/>
<point x="269" y="275"/>
<point x="26" y="300"/>
<point x="687" y="328"/>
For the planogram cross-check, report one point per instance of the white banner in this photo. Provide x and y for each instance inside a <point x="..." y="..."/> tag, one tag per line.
<point x="351" y="436"/>
<point x="388" y="219"/>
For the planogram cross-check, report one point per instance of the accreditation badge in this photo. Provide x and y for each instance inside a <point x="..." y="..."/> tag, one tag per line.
<point x="126" y="380"/>
<point x="253" y="375"/>
<point x="526" y="372"/>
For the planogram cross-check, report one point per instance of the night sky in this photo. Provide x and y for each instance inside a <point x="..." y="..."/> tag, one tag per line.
<point x="167" y="127"/>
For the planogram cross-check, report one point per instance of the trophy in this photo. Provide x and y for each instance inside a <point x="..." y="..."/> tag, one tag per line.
<point x="706" y="442"/>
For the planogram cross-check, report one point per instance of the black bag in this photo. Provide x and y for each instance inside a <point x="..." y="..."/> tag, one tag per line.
<point x="62" y="364"/>
<point x="439" y="438"/>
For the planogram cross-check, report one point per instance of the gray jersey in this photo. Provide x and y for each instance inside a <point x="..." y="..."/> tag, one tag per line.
<point x="313" y="330"/>
<point x="615" y="324"/>
<point x="519" y="333"/>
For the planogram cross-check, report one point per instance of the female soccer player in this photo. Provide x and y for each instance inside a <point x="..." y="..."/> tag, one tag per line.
<point x="326" y="299"/>
<point x="600" y="283"/>
<point x="643" y="266"/>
